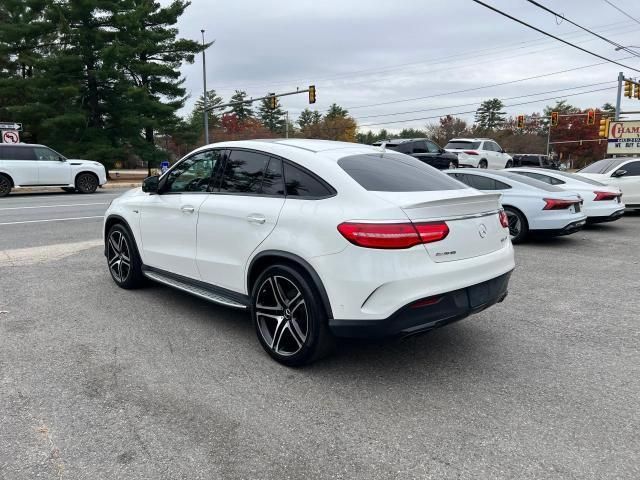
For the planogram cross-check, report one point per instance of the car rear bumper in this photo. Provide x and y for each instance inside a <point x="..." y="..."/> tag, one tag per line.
<point x="434" y="312"/>
<point x="573" y="227"/>
<point x="606" y="218"/>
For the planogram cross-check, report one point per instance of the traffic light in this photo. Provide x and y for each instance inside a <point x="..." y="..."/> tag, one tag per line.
<point x="628" y="89"/>
<point x="312" y="94"/>
<point x="520" y="121"/>
<point x="637" y="92"/>
<point x="603" y="132"/>
<point x="591" y="117"/>
<point x="554" y="119"/>
<point x="273" y="101"/>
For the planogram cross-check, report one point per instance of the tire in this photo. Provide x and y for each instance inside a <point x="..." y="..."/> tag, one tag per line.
<point x="453" y="165"/>
<point x="520" y="229"/>
<point x="483" y="164"/>
<point x="86" y="183"/>
<point x="290" y="321"/>
<point x="123" y="260"/>
<point x="69" y="189"/>
<point x="5" y="185"/>
<point x="509" y="164"/>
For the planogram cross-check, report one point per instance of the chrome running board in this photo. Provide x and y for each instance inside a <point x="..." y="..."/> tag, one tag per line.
<point x="192" y="289"/>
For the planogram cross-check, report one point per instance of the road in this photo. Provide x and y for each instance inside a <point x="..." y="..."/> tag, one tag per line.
<point x="98" y="382"/>
<point x="37" y="219"/>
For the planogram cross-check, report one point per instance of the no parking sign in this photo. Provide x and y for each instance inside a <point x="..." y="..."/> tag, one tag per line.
<point x="10" y="136"/>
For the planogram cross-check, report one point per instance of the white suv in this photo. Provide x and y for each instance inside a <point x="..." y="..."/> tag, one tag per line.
<point x="315" y="239"/>
<point x="479" y="153"/>
<point x="26" y="165"/>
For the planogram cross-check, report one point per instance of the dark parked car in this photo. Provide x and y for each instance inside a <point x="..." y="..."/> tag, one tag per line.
<point x="424" y="150"/>
<point x="535" y="160"/>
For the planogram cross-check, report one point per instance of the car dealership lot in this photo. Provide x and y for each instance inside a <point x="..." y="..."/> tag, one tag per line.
<point x="97" y="382"/>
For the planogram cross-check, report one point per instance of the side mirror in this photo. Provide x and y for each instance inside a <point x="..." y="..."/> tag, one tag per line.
<point x="62" y="159"/>
<point x="150" y="184"/>
<point x="442" y="150"/>
<point x="619" y="173"/>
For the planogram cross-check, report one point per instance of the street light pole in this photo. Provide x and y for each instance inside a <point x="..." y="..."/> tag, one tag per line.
<point x="205" y="113"/>
<point x="619" y="97"/>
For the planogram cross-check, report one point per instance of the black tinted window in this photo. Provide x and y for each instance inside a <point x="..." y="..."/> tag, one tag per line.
<point x="432" y="147"/>
<point x="463" y="145"/>
<point x="527" y="181"/>
<point x="632" y="169"/>
<point x="395" y="173"/>
<point x="603" y="166"/>
<point x="273" y="183"/>
<point x="420" y="147"/>
<point x="17" y="153"/>
<point x="192" y="174"/>
<point x="540" y="177"/>
<point x="480" y="182"/>
<point x="302" y="184"/>
<point x="243" y="172"/>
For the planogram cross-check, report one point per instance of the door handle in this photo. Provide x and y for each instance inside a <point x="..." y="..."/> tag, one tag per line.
<point x="256" y="218"/>
<point x="187" y="209"/>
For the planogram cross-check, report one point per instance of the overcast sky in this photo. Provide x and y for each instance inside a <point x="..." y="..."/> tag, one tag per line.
<point x="364" y="52"/>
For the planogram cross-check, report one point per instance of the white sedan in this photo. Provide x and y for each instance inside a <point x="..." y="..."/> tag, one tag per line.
<point x="531" y="206"/>
<point x="602" y="203"/>
<point x="623" y="172"/>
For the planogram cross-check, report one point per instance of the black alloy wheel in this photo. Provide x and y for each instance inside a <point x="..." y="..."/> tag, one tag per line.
<point x="5" y="185"/>
<point x="86" y="183"/>
<point x="123" y="260"/>
<point x="290" y="322"/>
<point x="518" y="227"/>
<point x="483" y="164"/>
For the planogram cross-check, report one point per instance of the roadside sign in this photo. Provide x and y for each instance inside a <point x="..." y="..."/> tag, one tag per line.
<point x="624" y="138"/>
<point x="10" y="136"/>
<point x="10" y="126"/>
<point x="164" y="166"/>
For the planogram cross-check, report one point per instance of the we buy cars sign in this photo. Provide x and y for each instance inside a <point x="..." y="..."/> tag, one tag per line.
<point x="624" y="138"/>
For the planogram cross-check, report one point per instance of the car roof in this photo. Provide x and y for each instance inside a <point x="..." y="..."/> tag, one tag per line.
<point x="22" y="145"/>
<point x="471" y="139"/>
<point x="280" y="146"/>
<point x="402" y="140"/>
<point x="507" y="177"/>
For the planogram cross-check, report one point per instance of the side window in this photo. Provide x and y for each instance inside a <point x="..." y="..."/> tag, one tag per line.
<point x="482" y="183"/>
<point x="420" y="147"/>
<point x="432" y="147"/>
<point x="496" y="147"/>
<point x="302" y="184"/>
<point x="193" y="174"/>
<point x="537" y="176"/>
<point x="19" y="153"/>
<point x="632" y="169"/>
<point x="501" y="186"/>
<point x="487" y="146"/>
<point x="243" y="172"/>
<point x="273" y="183"/>
<point x="466" y="179"/>
<point x="531" y="160"/>
<point x="46" y="154"/>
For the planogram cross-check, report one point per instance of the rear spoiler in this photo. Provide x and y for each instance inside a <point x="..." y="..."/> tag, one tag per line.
<point x="475" y="205"/>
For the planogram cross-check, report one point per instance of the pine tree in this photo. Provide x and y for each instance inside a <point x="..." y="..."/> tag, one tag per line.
<point x="273" y="119"/>
<point x="242" y="111"/>
<point x="489" y="115"/>
<point x="196" y="118"/>
<point x="336" y="111"/>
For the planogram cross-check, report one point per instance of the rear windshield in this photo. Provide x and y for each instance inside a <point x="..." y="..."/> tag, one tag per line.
<point x="394" y="172"/>
<point x="463" y="145"/>
<point x="580" y="178"/>
<point x="528" y="181"/>
<point x="603" y="166"/>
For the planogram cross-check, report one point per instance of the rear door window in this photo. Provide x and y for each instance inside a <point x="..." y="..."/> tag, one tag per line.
<point x="395" y="173"/>
<point x="302" y="184"/>
<point x="632" y="169"/>
<point x="273" y="182"/>
<point x="243" y="172"/>
<point x="420" y="147"/>
<point x="18" y="153"/>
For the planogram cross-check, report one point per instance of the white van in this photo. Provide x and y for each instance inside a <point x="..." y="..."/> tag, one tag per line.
<point x="28" y="165"/>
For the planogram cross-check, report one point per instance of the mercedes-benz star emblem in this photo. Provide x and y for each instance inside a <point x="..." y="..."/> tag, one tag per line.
<point x="482" y="230"/>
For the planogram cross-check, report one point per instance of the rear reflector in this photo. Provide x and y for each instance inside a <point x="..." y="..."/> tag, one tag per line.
<point x="559" y="204"/>
<point x="393" y="235"/>
<point x="601" y="196"/>
<point x="504" y="220"/>
<point x="471" y="152"/>
<point x="425" y="302"/>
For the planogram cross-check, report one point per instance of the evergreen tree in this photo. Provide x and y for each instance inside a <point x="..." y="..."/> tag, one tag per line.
<point x="273" y="119"/>
<point x="489" y="115"/>
<point x="242" y="111"/>
<point x="336" y="111"/>
<point x="196" y="118"/>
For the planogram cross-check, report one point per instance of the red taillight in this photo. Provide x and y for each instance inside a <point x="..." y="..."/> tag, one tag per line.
<point x="600" y="196"/>
<point x="557" y="204"/>
<point x="504" y="220"/>
<point x="471" y="152"/>
<point x="393" y="235"/>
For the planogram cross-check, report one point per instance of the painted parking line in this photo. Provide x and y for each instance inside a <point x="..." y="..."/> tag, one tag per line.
<point x="51" y="220"/>
<point x="33" y="255"/>
<point x="54" y="206"/>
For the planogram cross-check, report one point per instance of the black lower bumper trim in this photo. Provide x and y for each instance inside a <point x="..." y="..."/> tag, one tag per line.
<point x="609" y="218"/>
<point x="409" y="320"/>
<point x="568" y="230"/>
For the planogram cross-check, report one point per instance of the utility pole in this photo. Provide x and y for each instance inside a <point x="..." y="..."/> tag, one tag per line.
<point x="619" y="97"/>
<point x="205" y="112"/>
<point x="286" y="128"/>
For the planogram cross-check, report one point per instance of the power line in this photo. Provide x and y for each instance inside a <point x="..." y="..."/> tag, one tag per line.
<point x="473" y="89"/>
<point x="475" y="103"/>
<point x="521" y="22"/>
<point x="615" y="44"/>
<point x="473" y="111"/>
<point x="622" y="11"/>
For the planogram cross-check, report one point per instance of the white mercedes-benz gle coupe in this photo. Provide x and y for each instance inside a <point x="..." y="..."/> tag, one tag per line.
<point x="316" y="239"/>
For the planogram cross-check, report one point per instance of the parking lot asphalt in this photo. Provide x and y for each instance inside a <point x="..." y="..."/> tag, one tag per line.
<point x="98" y="382"/>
